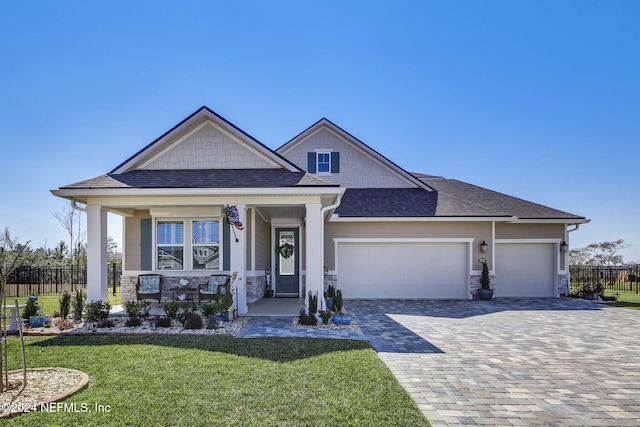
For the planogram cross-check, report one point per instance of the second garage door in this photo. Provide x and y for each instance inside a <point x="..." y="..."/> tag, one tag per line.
<point x="525" y="270"/>
<point x="403" y="270"/>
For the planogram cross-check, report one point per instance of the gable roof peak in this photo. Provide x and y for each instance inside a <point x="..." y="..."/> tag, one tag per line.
<point x="349" y="138"/>
<point x="195" y="119"/>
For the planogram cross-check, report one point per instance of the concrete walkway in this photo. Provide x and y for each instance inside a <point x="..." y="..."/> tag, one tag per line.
<point x="535" y="362"/>
<point x="280" y="326"/>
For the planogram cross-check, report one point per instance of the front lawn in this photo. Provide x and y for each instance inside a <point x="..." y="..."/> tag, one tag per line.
<point x="50" y="303"/>
<point x="627" y="300"/>
<point x="219" y="381"/>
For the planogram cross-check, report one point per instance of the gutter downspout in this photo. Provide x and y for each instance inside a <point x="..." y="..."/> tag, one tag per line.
<point x="323" y="303"/>
<point x="74" y="205"/>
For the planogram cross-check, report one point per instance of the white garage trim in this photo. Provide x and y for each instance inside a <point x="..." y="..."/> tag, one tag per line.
<point x="463" y="257"/>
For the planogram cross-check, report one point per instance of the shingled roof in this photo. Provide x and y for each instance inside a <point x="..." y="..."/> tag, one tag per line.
<point x="387" y="202"/>
<point x="451" y="198"/>
<point x="203" y="178"/>
<point x="456" y="198"/>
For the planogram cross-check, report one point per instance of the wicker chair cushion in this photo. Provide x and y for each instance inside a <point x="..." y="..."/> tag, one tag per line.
<point x="214" y="282"/>
<point x="149" y="284"/>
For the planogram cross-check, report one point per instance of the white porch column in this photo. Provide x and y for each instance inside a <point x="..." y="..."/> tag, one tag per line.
<point x="238" y="261"/>
<point x="314" y="254"/>
<point x="97" y="274"/>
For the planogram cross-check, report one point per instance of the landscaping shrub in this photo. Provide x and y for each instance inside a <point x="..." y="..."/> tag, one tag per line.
<point x="192" y="321"/>
<point x="331" y="291"/>
<point x="226" y="301"/>
<point x="485" y="279"/>
<point x="133" y="322"/>
<point x="313" y="303"/>
<point x="307" y="319"/>
<point x="32" y="308"/>
<point x="138" y="309"/>
<point x="108" y="323"/>
<point x="171" y="309"/>
<point x="78" y="304"/>
<point x="588" y="290"/>
<point x="338" y="301"/>
<point x="325" y="315"/>
<point x="65" y="303"/>
<point x="164" y="322"/>
<point x="98" y="310"/>
<point x="211" y="308"/>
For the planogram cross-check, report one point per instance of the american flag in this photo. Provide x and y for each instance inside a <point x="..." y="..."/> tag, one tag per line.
<point x="233" y="216"/>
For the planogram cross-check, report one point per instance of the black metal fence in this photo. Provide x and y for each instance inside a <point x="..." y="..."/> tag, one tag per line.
<point x="29" y="280"/>
<point x="611" y="278"/>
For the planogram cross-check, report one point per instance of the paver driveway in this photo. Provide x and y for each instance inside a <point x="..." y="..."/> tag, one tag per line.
<point x="511" y="361"/>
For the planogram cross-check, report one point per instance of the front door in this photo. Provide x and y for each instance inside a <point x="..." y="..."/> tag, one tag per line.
<point x="287" y="264"/>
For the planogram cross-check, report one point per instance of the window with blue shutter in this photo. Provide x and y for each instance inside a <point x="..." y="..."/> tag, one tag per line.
<point x="335" y="162"/>
<point x="323" y="162"/>
<point x="311" y="162"/>
<point x="226" y="245"/>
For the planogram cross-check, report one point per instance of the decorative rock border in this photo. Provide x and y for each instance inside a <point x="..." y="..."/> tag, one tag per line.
<point x="119" y="329"/>
<point x="44" y="386"/>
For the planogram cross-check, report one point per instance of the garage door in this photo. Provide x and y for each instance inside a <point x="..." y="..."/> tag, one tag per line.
<point x="525" y="270"/>
<point x="403" y="270"/>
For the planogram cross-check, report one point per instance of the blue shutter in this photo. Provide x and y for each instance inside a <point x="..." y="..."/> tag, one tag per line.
<point x="311" y="162"/>
<point x="146" y="249"/>
<point x="335" y="162"/>
<point x="226" y="245"/>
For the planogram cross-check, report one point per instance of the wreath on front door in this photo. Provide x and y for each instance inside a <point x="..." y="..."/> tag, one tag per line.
<point x="286" y="250"/>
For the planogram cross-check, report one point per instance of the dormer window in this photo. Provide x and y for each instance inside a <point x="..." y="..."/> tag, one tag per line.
<point x="323" y="161"/>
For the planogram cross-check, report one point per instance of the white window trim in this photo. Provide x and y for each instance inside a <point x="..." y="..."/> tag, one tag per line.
<point x="194" y="245"/>
<point x="187" y="246"/>
<point x="323" y="151"/>
<point x="156" y="245"/>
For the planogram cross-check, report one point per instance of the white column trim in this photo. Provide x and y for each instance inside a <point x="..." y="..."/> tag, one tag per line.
<point x="238" y="261"/>
<point x="97" y="272"/>
<point x="314" y="248"/>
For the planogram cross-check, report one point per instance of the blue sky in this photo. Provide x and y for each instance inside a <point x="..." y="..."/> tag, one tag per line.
<point x="536" y="99"/>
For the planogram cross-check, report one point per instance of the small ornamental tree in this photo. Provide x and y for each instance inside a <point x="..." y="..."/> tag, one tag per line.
<point x="11" y="257"/>
<point x="485" y="279"/>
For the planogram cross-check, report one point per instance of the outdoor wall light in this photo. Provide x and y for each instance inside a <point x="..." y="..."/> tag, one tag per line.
<point x="564" y="248"/>
<point x="484" y="247"/>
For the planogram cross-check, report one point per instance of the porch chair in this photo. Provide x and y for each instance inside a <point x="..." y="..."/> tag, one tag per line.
<point x="218" y="285"/>
<point x="149" y="286"/>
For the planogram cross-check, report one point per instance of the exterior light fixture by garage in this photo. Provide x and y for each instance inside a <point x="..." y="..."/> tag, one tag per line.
<point x="484" y="247"/>
<point x="564" y="248"/>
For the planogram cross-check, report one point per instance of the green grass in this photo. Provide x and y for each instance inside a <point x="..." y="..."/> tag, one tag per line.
<point x="626" y="299"/>
<point x="50" y="303"/>
<point x="219" y="381"/>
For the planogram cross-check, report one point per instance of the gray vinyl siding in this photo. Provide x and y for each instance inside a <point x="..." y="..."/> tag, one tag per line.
<point x="356" y="169"/>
